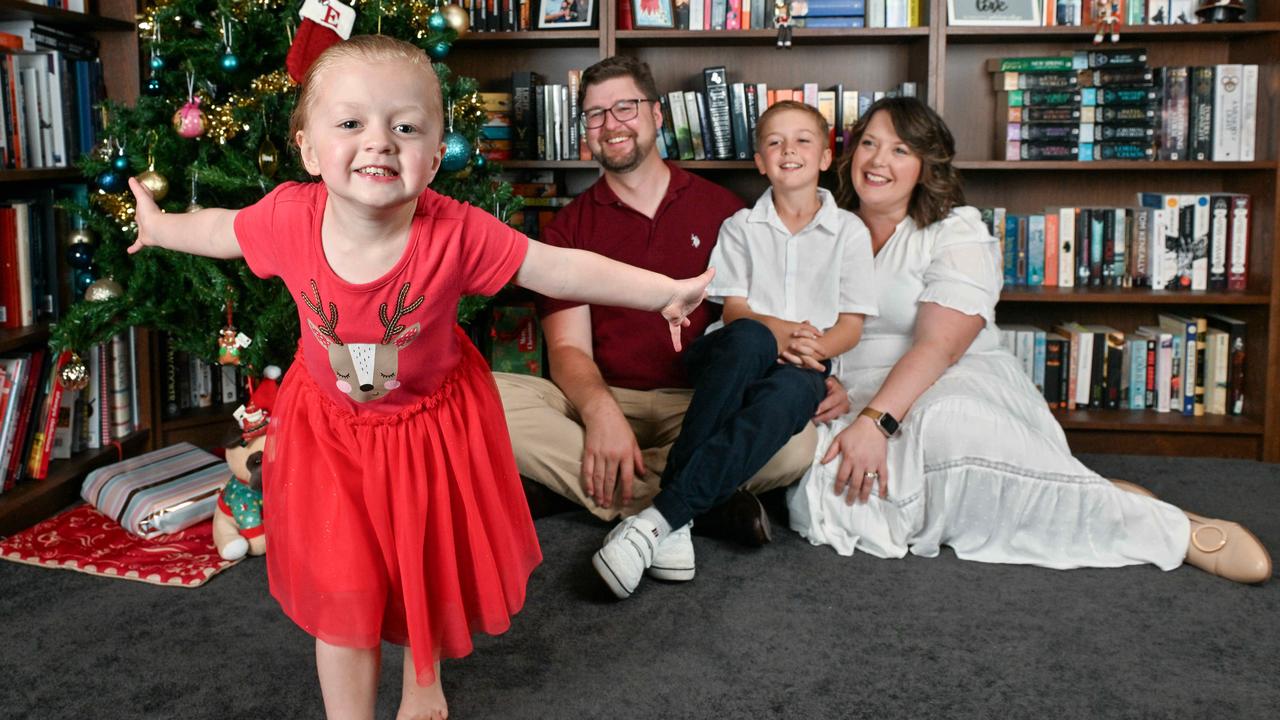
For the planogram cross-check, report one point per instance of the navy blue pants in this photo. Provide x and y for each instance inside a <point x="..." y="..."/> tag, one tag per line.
<point x="745" y="407"/>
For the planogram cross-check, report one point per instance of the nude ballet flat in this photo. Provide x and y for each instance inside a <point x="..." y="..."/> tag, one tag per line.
<point x="1134" y="488"/>
<point x="1228" y="550"/>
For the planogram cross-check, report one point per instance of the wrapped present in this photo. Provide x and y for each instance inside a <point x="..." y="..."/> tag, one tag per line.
<point x="159" y="492"/>
<point x="516" y="340"/>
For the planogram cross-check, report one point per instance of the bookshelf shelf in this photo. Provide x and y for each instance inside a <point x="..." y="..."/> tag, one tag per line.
<point x="20" y="10"/>
<point x="1130" y="296"/>
<point x="799" y="36"/>
<point x="29" y="502"/>
<point x="541" y="38"/>
<point x="548" y="164"/>
<point x="1149" y="420"/>
<point x="1128" y="33"/>
<point x="200" y="417"/>
<point x="1112" y="165"/>
<point x="23" y="337"/>
<point x="40" y="175"/>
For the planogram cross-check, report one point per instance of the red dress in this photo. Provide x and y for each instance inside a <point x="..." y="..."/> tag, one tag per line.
<point x="392" y="505"/>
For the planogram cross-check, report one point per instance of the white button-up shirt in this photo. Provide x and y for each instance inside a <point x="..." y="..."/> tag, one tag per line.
<point x="814" y="275"/>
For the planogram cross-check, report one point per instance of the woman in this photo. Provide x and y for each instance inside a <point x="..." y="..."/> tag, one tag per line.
<point x="960" y="445"/>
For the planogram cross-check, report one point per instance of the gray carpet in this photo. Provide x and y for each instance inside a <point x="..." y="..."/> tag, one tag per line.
<point x="790" y="631"/>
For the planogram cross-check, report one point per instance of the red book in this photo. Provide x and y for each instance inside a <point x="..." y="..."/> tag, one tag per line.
<point x="624" y="15"/>
<point x="53" y="404"/>
<point x="26" y="397"/>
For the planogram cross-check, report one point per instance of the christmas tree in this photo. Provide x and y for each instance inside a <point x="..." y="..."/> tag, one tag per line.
<point x="211" y="129"/>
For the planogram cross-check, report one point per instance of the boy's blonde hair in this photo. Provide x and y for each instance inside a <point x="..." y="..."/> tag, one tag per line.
<point x="824" y="129"/>
<point x="366" y="48"/>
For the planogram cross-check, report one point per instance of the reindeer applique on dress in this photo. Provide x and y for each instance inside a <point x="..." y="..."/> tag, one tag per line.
<point x="365" y="371"/>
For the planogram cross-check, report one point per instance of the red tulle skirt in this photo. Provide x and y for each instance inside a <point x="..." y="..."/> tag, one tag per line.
<point x="410" y="528"/>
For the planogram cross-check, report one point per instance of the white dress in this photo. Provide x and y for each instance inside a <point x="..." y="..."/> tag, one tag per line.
<point x="981" y="465"/>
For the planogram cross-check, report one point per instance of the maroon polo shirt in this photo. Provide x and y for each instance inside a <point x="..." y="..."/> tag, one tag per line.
<point x="631" y="347"/>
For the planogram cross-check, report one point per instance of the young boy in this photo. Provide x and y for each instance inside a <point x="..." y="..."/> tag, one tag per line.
<point x="796" y="277"/>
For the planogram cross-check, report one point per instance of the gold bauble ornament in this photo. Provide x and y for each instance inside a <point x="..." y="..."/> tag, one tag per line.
<point x="457" y="18"/>
<point x="156" y="183"/>
<point x="268" y="157"/>
<point x="74" y="375"/>
<point x="103" y="289"/>
<point x="81" y="236"/>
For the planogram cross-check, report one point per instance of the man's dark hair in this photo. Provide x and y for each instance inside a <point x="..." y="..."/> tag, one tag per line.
<point x="619" y="66"/>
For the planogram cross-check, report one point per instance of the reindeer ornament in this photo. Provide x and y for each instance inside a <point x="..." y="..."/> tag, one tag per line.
<point x="364" y="371"/>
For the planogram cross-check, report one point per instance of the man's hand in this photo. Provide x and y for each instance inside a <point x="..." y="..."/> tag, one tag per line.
<point x="611" y="458"/>
<point x="146" y="214"/>
<point x="689" y="293"/>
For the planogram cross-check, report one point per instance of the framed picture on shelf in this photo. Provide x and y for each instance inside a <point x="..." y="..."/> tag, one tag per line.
<point x="556" y="14"/>
<point x="652" y="14"/>
<point x="995" y="12"/>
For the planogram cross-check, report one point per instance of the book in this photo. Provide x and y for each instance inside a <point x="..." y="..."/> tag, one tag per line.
<point x="1235" y="330"/>
<point x="715" y="81"/>
<point x="1228" y="104"/>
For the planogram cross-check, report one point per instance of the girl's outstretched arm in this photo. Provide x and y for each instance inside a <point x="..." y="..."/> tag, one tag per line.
<point x="587" y="277"/>
<point x="209" y="232"/>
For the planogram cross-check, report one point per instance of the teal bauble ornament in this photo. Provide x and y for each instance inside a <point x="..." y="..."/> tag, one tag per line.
<point x="153" y="85"/>
<point x="437" y="51"/>
<point x="120" y="163"/>
<point x="437" y="22"/>
<point x="479" y="161"/>
<point x="457" y="151"/>
<point x="111" y="181"/>
<point x="230" y="63"/>
<point x="157" y="63"/>
<point x="85" y="278"/>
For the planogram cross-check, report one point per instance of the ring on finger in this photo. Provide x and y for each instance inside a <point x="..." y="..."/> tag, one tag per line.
<point x="871" y="475"/>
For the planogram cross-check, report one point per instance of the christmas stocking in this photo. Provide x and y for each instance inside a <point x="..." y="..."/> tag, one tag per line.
<point x="324" y="22"/>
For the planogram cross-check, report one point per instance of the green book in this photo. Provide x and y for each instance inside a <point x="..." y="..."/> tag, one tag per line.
<point x="1029" y="64"/>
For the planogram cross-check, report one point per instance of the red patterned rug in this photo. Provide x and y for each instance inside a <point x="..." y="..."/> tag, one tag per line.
<point x="85" y="540"/>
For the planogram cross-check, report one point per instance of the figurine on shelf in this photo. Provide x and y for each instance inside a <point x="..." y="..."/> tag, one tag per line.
<point x="1221" y="11"/>
<point x="1107" y="17"/>
<point x="782" y="20"/>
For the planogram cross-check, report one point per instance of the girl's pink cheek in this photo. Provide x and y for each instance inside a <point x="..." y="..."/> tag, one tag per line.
<point x="344" y="386"/>
<point x="391" y="384"/>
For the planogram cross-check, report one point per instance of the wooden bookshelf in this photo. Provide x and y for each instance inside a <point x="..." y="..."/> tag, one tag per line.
<point x="948" y="65"/>
<point x="113" y="26"/>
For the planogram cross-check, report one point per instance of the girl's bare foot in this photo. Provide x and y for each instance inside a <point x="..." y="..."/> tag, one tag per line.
<point x="418" y="702"/>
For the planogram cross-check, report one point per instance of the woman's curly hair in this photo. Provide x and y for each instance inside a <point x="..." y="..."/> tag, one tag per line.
<point x="938" y="191"/>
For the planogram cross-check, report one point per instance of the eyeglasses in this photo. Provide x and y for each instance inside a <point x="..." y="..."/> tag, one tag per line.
<point x="622" y="111"/>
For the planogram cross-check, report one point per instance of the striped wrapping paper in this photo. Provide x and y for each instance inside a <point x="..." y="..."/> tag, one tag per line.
<point x="159" y="492"/>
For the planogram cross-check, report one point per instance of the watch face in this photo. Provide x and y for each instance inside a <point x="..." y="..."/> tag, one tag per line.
<point x="889" y="424"/>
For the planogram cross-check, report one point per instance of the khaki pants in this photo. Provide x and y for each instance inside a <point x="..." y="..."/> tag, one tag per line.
<point x="547" y="435"/>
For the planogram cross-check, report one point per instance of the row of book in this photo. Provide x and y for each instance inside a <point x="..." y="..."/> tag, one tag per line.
<point x="189" y="382"/>
<point x="29" y="268"/>
<point x="762" y="14"/>
<point x="541" y="197"/>
<point x="1108" y="105"/>
<point x="50" y="84"/>
<point x="1166" y="241"/>
<point x="1126" y="12"/>
<point x="41" y="421"/>
<point x="544" y="118"/>
<point x="1187" y="365"/>
<point x="719" y="121"/>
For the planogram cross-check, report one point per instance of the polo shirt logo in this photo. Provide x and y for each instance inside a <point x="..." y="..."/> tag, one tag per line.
<point x="695" y="240"/>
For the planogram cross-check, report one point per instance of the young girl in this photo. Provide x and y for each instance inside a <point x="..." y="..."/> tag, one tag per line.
<point x="394" y="511"/>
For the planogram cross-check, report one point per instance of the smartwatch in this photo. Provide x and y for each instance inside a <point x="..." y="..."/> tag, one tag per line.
<point x="887" y="423"/>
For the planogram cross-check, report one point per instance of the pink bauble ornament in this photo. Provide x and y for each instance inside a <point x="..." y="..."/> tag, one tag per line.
<point x="189" y="120"/>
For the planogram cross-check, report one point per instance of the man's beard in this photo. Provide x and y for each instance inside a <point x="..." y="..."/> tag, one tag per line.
<point x="625" y="163"/>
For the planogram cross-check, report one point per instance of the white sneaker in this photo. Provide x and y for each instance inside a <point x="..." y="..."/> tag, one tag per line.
<point x="628" y="550"/>
<point x="673" y="560"/>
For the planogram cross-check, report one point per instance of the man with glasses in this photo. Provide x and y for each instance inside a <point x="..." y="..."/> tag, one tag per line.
<point x="598" y="434"/>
